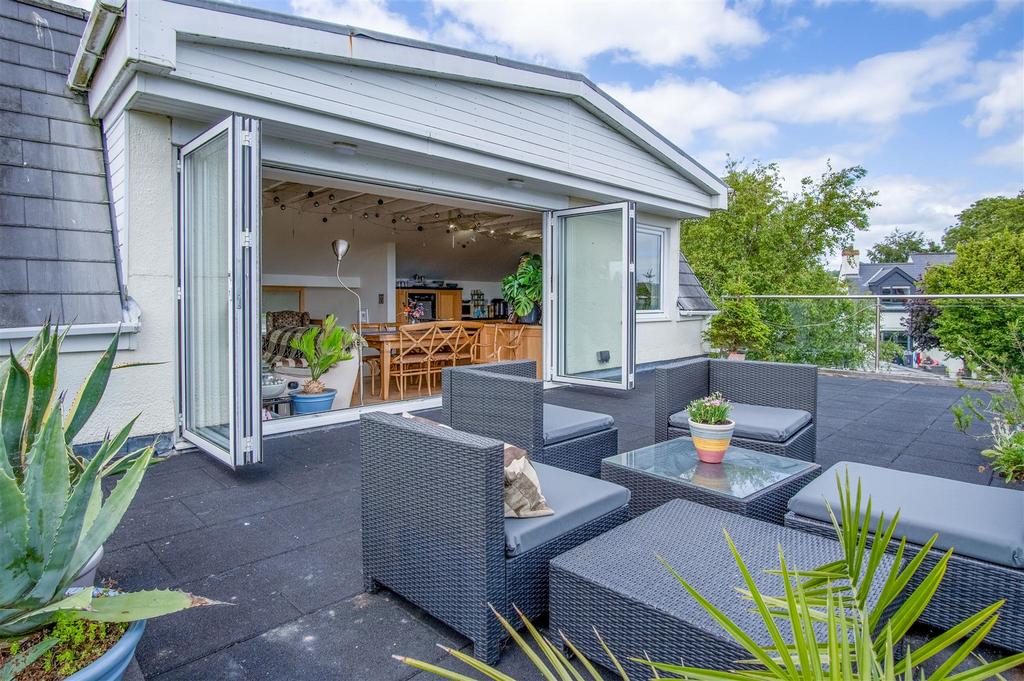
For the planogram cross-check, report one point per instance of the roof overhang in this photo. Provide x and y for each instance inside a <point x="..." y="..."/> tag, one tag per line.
<point x="146" y="34"/>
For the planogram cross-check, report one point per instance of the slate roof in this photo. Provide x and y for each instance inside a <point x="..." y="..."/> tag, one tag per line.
<point x="56" y="243"/>
<point x="692" y="296"/>
<point x="871" y="274"/>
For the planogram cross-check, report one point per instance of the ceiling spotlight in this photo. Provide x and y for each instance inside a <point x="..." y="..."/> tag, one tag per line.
<point x="330" y="197"/>
<point x="334" y="209"/>
<point x="405" y="218"/>
<point x="283" y="206"/>
<point x="380" y="202"/>
<point x="492" y="231"/>
<point x="394" y="221"/>
<point x="366" y="215"/>
<point x="419" y="228"/>
<point x="459" y="216"/>
<point x="323" y="219"/>
<point x="316" y="204"/>
<point x="516" y="182"/>
<point x="437" y="215"/>
<point x="463" y="245"/>
<point x="376" y="215"/>
<point x="277" y="199"/>
<point x="451" y="225"/>
<point x="309" y="195"/>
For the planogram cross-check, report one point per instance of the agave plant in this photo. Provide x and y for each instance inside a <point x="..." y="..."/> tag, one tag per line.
<point x="51" y="520"/>
<point x="823" y="627"/>
<point x="28" y="385"/>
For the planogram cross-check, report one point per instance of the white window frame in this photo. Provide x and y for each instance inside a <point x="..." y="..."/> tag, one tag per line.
<point x="660" y="314"/>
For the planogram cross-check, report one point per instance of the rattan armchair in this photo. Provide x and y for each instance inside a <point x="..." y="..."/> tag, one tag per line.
<point x="505" y="401"/>
<point x="768" y="384"/>
<point x="433" y="528"/>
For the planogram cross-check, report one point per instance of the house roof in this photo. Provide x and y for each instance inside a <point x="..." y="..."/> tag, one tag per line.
<point x="873" y="274"/>
<point x="57" y="256"/>
<point x="692" y="296"/>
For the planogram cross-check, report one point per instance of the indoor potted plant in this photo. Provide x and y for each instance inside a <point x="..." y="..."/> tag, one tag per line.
<point x="524" y="288"/>
<point x="332" y="367"/>
<point x="55" y="518"/>
<point x="710" y="427"/>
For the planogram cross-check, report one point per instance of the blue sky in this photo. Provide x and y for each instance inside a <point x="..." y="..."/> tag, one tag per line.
<point x="928" y="95"/>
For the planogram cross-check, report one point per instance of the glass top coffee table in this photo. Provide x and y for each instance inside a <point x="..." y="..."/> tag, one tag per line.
<point x="750" y="483"/>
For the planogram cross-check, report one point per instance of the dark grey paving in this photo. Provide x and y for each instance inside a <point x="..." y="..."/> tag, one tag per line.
<point x="281" y="541"/>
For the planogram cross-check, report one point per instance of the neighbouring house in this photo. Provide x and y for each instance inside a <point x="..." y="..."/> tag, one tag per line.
<point x="894" y="279"/>
<point x="181" y="167"/>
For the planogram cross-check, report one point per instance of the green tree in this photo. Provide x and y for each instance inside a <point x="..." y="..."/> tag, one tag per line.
<point x="981" y="331"/>
<point x="775" y="242"/>
<point x="738" y="324"/>
<point x="898" y="245"/>
<point x="985" y="218"/>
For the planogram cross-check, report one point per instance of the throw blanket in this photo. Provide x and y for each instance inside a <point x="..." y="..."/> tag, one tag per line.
<point x="278" y="350"/>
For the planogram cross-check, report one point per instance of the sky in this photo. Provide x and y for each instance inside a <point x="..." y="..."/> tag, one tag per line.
<point x="927" y="95"/>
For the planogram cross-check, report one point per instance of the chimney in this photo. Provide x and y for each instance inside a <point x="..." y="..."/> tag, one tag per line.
<point x="850" y="266"/>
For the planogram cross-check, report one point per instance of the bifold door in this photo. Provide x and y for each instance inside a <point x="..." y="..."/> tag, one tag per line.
<point x="218" y="291"/>
<point x="590" y="316"/>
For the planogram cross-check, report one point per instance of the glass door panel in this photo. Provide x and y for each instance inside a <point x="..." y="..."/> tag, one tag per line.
<point x="591" y="303"/>
<point x="219" y="291"/>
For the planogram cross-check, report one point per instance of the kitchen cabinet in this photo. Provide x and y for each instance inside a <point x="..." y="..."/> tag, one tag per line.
<point x="447" y="303"/>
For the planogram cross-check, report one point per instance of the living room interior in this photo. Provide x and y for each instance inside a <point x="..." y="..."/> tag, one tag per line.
<point x="411" y="257"/>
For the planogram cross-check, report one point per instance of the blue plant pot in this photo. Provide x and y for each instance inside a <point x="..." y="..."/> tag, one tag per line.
<point x="112" y="664"/>
<point x="303" y="403"/>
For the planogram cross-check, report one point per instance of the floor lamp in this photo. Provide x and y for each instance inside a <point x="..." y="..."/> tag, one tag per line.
<point x="340" y="248"/>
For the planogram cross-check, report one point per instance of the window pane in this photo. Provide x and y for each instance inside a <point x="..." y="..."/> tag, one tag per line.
<point x="648" y="271"/>
<point x="590" y="288"/>
<point x="207" y="311"/>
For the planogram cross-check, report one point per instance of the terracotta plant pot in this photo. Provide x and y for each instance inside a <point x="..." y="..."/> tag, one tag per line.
<point x="711" y="441"/>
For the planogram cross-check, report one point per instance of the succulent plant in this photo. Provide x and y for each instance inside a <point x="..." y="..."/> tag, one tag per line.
<point x="53" y="516"/>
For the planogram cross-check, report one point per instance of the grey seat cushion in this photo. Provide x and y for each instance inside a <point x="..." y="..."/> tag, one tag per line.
<point x="563" y="423"/>
<point x="576" y="499"/>
<point x="982" y="522"/>
<point x="755" y="422"/>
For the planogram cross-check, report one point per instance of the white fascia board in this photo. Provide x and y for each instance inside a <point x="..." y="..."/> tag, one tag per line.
<point x="154" y="28"/>
<point x="161" y="94"/>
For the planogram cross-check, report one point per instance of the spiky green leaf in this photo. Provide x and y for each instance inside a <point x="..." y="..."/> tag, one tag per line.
<point x="46" y="487"/>
<point x="91" y="391"/>
<point x="142" y="605"/>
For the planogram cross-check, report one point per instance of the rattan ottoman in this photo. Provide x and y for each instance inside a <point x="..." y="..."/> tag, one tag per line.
<point x="747" y="482"/>
<point x="615" y="583"/>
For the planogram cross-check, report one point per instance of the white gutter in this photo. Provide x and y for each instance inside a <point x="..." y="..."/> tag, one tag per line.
<point x="98" y="31"/>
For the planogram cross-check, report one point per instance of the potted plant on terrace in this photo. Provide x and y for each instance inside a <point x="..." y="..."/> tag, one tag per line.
<point x="54" y="519"/>
<point x="324" y="349"/>
<point x="710" y="427"/>
<point x="737" y="328"/>
<point x="524" y="288"/>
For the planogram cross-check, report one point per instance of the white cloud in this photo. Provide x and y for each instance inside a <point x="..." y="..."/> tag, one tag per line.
<point x="571" y="32"/>
<point x="1003" y="101"/>
<point x="933" y="8"/>
<point x="369" y="14"/>
<point x="1010" y="154"/>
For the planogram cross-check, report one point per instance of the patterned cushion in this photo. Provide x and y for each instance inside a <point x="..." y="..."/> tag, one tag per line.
<point x="286" y="318"/>
<point x="523" y="498"/>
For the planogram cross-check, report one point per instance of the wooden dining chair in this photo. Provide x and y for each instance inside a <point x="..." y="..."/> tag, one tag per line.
<point x="445" y="346"/>
<point x="467" y="350"/>
<point x="413" y="357"/>
<point x="507" y="338"/>
<point x="372" y="362"/>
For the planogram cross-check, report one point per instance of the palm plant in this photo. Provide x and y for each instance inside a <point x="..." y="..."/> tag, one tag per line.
<point x="323" y="348"/>
<point x="823" y="626"/>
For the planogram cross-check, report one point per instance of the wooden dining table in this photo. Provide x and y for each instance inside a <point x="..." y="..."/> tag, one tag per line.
<point x="383" y="342"/>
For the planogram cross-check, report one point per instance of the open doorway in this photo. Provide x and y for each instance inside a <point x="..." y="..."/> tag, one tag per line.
<point x="413" y="259"/>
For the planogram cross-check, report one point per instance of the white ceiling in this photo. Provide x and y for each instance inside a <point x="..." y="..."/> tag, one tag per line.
<point x="434" y="237"/>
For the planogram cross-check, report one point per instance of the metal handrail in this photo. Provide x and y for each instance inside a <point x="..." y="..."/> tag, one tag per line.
<point x="878" y="304"/>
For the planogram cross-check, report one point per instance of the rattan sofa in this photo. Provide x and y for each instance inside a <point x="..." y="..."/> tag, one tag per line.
<point x="983" y="525"/>
<point x="788" y="389"/>
<point x="434" y="531"/>
<point x="505" y="400"/>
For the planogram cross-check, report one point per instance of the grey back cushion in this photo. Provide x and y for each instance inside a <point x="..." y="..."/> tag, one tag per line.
<point x="563" y="423"/>
<point x="756" y="422"/>
<point x="576" y="499"/>
<point x="982" y="522"/>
